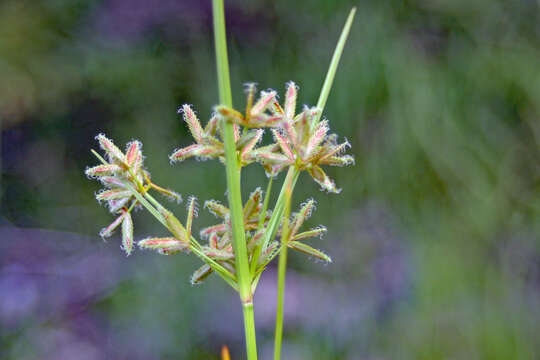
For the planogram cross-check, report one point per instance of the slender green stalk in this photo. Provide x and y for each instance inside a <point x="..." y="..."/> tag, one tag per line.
<point x="249" y="326"/>
<point x="275" y="219"/>
<point x="233" y="181"/>
<point x="282" y="267"/>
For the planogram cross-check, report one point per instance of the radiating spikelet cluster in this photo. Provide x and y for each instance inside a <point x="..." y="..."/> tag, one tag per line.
<point x="298" y="140"/>
<point x="122" y="173"/>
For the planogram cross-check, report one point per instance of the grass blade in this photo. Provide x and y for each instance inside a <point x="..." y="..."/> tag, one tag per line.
<point x="330" y="75"/>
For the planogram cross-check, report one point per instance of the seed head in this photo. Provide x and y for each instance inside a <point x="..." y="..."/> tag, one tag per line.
<point x="303" y="142"/>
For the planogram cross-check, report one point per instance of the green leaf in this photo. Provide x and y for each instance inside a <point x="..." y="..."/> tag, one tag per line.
<point x="334" y="65"/>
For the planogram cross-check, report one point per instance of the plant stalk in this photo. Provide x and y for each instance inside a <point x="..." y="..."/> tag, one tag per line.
<point x="282" y="266"/>
<point x="233" y="181"/>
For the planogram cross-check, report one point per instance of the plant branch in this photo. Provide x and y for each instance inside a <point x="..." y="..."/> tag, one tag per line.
<point x="282" y="267"/>
<point x="275" y="219"/>
<point x="321" y="103"/>
<point x="233" y="181"/>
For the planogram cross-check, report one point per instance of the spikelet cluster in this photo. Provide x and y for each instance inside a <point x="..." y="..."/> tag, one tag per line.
<point x="219" y="236"/>
<point x="304" y="142"/>
<point x="300" y="140"/>
<point x="295" y="239"/>
<point x="122" y="174"/>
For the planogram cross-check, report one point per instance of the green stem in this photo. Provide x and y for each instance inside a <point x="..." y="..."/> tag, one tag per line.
<point x="233" y="181"/>
<point x="282" y="267"/>
<point x="275" y="219"/>
<point x="249" y="327"/>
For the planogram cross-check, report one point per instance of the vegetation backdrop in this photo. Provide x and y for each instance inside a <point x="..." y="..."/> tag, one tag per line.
<point x="435" y="237"/>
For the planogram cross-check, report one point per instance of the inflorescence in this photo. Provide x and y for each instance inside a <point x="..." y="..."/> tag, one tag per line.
<point x="300" y="141"/>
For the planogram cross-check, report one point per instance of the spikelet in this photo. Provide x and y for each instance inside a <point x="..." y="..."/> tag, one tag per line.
<point x="216" y="208"/>
<point x="200" y="274"/>
<point x="112" y="182"/>
<point x="264" y="102"/>
<point x="113" y="153"/>
<point x="316" y="138"/>
<point x="217" y="254"/>
<point x="107" y="231"/>
<point x="218" y="229"/>
<point x="174" y="225"/>
<point x="282" y="142"/>
<point x="200" y="151"/>
<point x="344" y="160"/>
<point x="253" y="204"/>
<point x="193" y="211"/>
<point x="247" y="149"/>
<point x="127" y="233"/>
<point x="133" y="154"/>
<point x="318" y="174"/>
<point x="304" y="213"/>
<point x="163" y="243"/>
<point x="113" y="194"/>
<point x="306" y="249"/>
<point x="318" y="231"/>
<point x="116" y="205"/>
<point x="103" y="170"/>
<point x="193" y="123"/>
<point x="290" y="100"/>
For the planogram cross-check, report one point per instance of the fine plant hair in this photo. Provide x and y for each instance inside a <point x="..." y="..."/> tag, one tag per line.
<point x="248" y="234"/>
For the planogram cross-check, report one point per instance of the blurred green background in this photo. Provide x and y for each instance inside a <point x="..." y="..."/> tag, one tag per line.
<point x="435" y="237"/>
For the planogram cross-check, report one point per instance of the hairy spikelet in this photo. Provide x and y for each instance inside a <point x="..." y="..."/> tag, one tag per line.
<point x="193" y="123"/>
<point x="103" y="170"/>
<point x="216" y="208"/>
<point x="107" y="231"/>
<point x="200" y="274"/>
<point x="113" y="152"/>
<point x="290" y="100"/>
<point x="306" y="249"/>
<point x="127" y="234"/>
<point x="192" y="211"/>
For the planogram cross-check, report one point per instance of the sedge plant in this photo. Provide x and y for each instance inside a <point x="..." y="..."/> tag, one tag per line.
<point x="248" y="234"/>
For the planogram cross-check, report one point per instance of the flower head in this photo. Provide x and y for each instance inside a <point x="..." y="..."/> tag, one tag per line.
<point x="118" y="172"/>
<point x="208" y="143"/>
<point x="301" y="140"/>
<point x="219" y="247"/>
<point x="123" y="176"/>
<point x="295" y="238"/>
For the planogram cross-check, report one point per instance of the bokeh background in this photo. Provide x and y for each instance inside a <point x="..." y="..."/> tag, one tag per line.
<point x="435" y="237"/>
